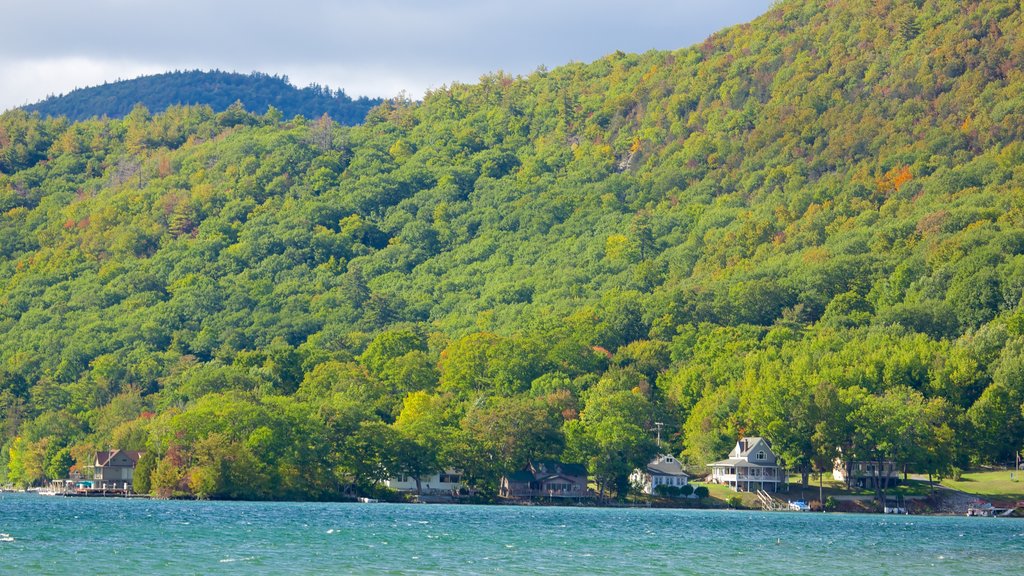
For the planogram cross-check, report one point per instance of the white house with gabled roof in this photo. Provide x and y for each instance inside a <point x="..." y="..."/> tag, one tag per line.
<point x="664" y="470"/>
<point x="750" y="466"/>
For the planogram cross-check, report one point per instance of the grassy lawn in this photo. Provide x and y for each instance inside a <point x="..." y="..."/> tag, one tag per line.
<point x="833" y="487"/>
<point x="991" y="484"/>
<point x="986" y="484"/>
<point x="830" y="487"/>
<point x="723" y="493"/>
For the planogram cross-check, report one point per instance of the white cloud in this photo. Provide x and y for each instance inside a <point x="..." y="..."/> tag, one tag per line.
<point x="375" y="48"/>
<point x="30" y="80"/>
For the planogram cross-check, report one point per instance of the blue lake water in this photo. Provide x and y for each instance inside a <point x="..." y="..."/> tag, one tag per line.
<point x="115" y="536"/>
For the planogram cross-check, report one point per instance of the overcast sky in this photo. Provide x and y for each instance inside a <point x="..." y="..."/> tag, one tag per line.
<point x="371" y="47"/>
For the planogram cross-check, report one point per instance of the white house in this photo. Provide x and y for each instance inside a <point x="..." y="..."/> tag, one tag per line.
<point x="751" y="466"/>
<point x="448" y="481"/>
<point x="664" y="470"/>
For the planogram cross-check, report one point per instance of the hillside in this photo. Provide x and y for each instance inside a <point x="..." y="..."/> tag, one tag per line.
<point x="807" y="228"/>
<point x="215" y="89"/>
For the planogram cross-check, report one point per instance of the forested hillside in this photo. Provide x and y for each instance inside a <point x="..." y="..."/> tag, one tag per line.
<point x="216" y="89"/>
<point x="809" y="228"/>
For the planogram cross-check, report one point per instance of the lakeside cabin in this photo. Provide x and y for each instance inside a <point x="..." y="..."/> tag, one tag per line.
<point x="114" y="469"/>
<point x="664" y="470"/>
<point x="752" y="465"/>
<point x="444" y="482"/>
<point x="546" y="479"/>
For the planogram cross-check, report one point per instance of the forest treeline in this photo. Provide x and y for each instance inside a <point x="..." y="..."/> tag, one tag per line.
<point x="807" y="228"/>
<point x="215" y="88"/>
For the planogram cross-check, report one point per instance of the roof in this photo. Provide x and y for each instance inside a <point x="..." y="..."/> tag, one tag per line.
<point x="549" y="477"/>
<point x="741" y="461"/>
<point x="541" y="470"/>
<point x="104" y="457"/>
<point x="745" y="447"/>
<point x="747" y="444"/>
<point x="666" y="465"/>
<point x="545" y="468"/>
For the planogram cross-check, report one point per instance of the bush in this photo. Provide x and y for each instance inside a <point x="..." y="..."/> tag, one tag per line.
<point x="830" y="504"/>
<point x="701" y="492"/>
<point x="686" y="490"/>
<point x="666" y="491"/>
<point x="735" y="501"/>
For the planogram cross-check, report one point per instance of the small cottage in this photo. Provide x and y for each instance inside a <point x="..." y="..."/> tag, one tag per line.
<point x="664" y="470"/>
<point x="546" y="479"/>
<point x="445" y="482"/>
<point x="751" y="466"/>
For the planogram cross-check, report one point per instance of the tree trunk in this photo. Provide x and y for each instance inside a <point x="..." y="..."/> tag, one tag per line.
<point x="821" y="491"/>
<point x="879" y="493"/>
<point x="419" y="489"/>
<point x="883" y="481"/>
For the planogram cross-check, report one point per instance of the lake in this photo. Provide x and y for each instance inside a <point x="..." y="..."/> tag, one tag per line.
<point x="115" y="536"/>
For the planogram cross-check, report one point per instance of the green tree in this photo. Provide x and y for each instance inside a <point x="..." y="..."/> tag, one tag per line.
<point x="141" y="479"/>
<point x="59" y="464"/>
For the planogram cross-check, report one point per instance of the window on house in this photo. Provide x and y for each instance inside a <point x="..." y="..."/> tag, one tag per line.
<point x="761" y="455"/>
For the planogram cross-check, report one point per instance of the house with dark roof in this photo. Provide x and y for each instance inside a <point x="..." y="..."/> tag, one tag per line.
<point x="546" y="479"/>
<point x="114" y="469"/>
<point x="750" y="466"/>
<point x="664" y="470"/>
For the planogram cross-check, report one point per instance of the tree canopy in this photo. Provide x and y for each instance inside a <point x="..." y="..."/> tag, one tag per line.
<point x="809" y="228"/>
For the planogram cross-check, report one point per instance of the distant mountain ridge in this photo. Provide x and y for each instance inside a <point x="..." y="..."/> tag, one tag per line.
<point x="215" y="88"/>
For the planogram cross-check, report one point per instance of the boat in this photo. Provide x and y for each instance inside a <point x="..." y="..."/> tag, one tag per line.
<point x="800" y="506"/>
<point x="369" y="500"/>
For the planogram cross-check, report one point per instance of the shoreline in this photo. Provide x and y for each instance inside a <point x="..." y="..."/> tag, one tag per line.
<point x="1017" y="512"/>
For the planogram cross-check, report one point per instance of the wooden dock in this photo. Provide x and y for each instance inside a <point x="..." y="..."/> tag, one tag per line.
<point x="989" y="511"/>
<point x="99" y="493"/>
